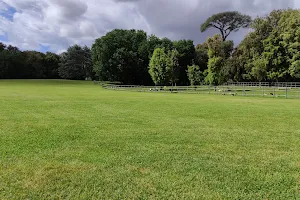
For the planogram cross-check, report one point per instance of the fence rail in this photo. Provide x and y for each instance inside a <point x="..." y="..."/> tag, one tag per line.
<point x="265" y="84"/>
<point x="278" y="90"/>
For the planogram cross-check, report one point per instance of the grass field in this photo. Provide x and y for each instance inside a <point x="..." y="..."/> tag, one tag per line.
<point x="75" y="140"/>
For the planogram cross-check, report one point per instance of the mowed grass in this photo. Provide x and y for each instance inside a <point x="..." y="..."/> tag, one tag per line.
<point x="75" y="140"/>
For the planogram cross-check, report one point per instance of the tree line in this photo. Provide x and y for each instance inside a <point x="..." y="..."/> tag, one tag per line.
<point x="74" y="64"/>
<point x="269" y="52"/>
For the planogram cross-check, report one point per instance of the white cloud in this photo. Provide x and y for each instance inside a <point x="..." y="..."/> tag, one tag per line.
<point x="60" y="23"/>
<point x="3" y="7"/>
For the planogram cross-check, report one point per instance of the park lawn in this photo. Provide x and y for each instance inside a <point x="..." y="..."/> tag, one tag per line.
<point x="75" y="140"/>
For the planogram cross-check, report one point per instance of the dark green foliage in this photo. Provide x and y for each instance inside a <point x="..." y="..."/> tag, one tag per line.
<point x="12" y="63"/>
<point x="186" y="50"/>
<point x="123" y="55"/>
<point x="75" y="64"/>
<point x="201" y="56"/>
<point x="15" y="64"/>
<point x="51" y="62"/>
<point x="227" y="22"/>
<point x="166" y="43"/>
<point x="34" y="62"/>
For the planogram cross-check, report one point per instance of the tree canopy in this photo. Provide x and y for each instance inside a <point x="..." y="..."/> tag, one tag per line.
<point x="226" y="22"/>
<point x="17" y="64"/>
<point x="76" y="63"/>
<point x="195" y="75"/>
<point x="158" y="67"/>
<point x="271" y="51"/>
<point x="123" y="55"/>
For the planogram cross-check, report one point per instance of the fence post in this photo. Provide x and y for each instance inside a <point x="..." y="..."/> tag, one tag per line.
<point x="234" y="90"/>
<point x="286" y="93"/>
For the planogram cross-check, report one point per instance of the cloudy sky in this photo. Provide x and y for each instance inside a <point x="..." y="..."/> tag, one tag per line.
<point x="53" y="25"/>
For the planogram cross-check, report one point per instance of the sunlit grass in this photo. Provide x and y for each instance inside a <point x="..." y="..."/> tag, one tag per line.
<point x="75" y="140"/>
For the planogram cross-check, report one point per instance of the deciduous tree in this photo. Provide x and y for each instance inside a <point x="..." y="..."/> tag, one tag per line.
<point x="196" y="77"/>
<point x="158" y="67"/>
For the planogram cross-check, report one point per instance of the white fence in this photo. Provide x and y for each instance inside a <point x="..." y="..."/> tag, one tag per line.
<point x="278" y="90"/>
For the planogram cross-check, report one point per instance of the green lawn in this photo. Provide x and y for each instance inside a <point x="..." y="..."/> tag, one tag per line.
<point x="75" y="140"/>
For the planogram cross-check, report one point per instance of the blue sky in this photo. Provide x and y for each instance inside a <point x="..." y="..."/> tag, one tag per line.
<point x="54" y="25"/>
<point x="4" y="37"/>
<point x="8" y="14"/>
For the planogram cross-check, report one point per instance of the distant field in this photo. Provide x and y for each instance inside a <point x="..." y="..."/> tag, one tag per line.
<point x="75" y="140"/>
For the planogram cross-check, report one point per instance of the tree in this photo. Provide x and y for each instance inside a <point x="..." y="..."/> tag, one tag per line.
<point x="195" y="75"/>
<point x="2" y="47"/>
<point x="173" y="66"/>
<point x="271" y="51"/>
<point x="294" y="69"/>
<point x="227" y="22"/>
<point x="201" y="56"/>
<point x="75" y="63"/>
<point x="123" y="56"/>
<point x="166" y="43"/>
<point x="218" y="53"/>
<point x="154" y="42"/>
<point x="12" y="63"/>
<point x="186" y="56"/>
<point x="87" y="63"/>
<point x="34" y="65"/>
<point x="214" y="76"/>
<point x="259" y="70"/>
<point x="158" y="67"/>
<point x="51" y="62"/>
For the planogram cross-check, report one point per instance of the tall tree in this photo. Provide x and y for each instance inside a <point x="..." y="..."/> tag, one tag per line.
<point x="201" y="56"/>
<point x="186" y="50"/>
<point x="34" y="65"/>
<point x="226" y="23"/>
<point x="173" y="66"/>
<point x="218" y="52"/>
<point x="51" y="62"/>
<point x="158" y="67"/>
<point x="88" y="63"/>
<point x="74" y="63"/>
